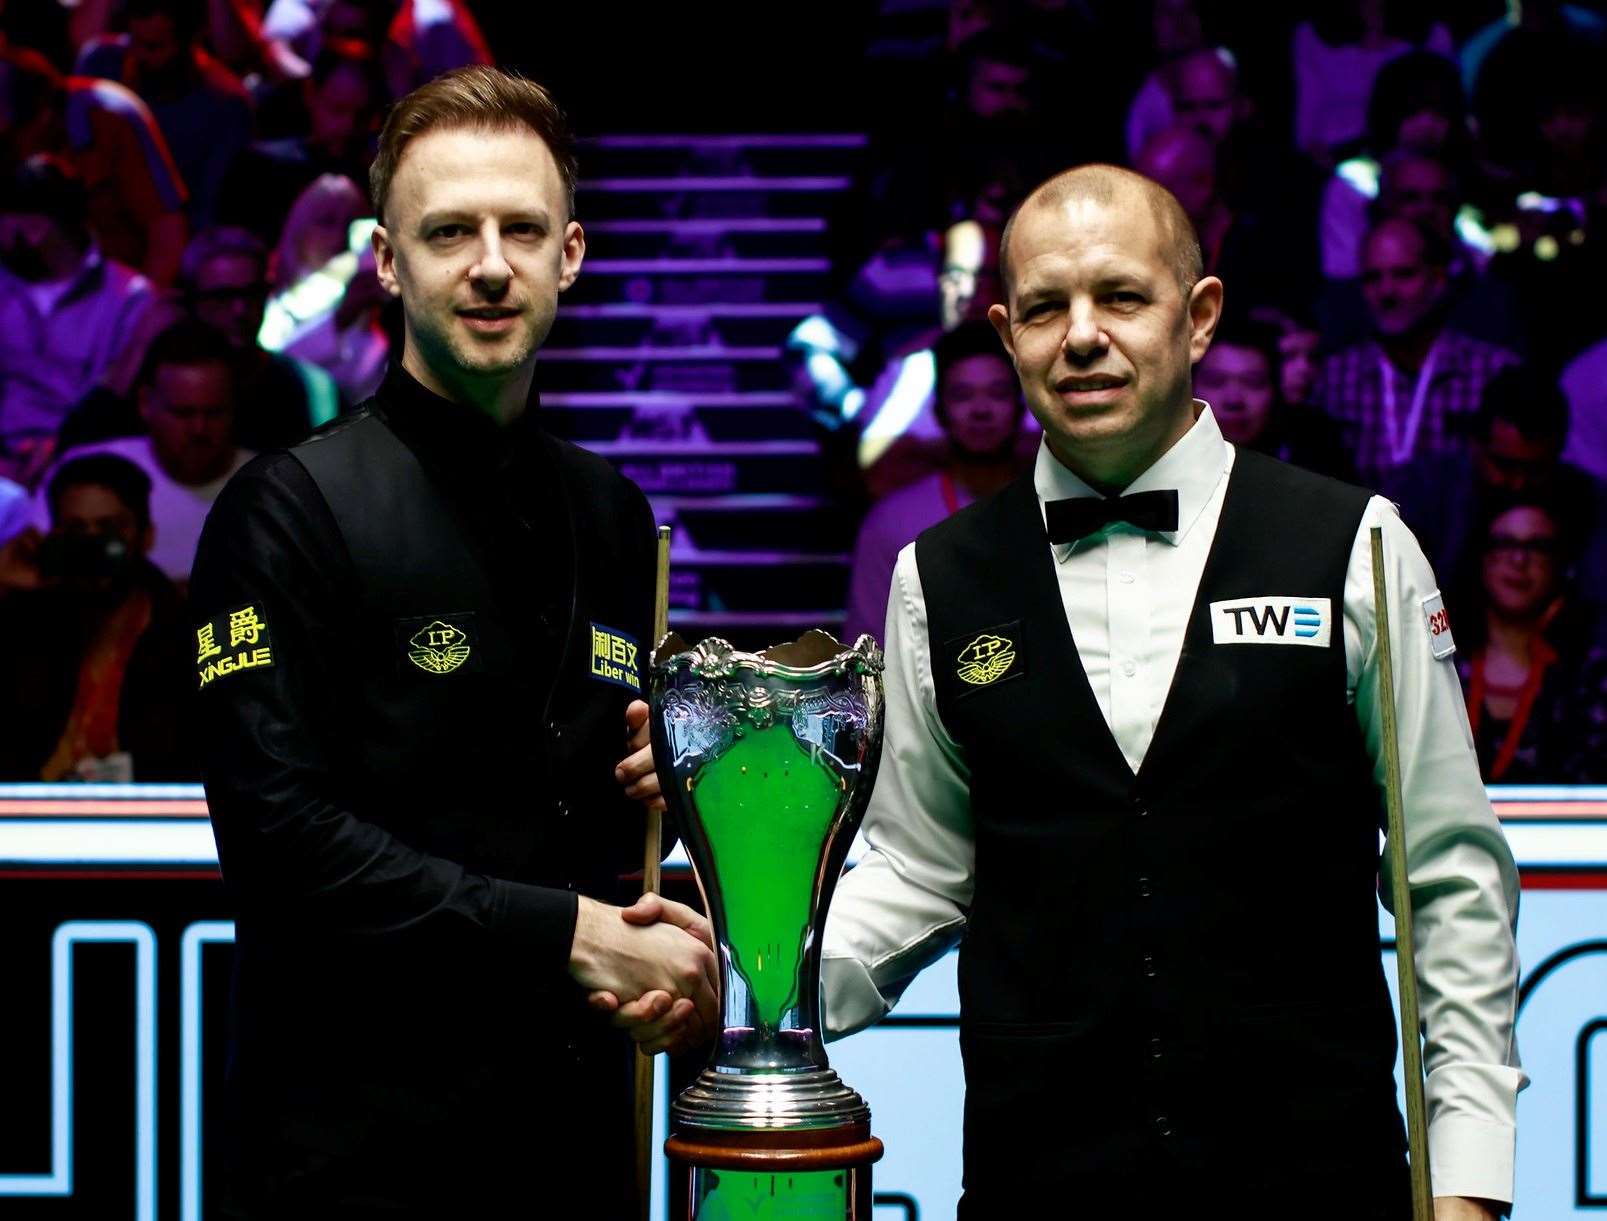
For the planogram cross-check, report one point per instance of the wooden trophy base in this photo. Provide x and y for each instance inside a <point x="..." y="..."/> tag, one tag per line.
<point x="820" y="1175"/>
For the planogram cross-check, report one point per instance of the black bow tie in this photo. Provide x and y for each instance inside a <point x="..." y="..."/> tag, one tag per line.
<point x="1080" y="516"/>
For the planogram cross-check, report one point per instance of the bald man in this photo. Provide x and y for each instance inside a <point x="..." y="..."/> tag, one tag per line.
<point x="1132" y="765"/>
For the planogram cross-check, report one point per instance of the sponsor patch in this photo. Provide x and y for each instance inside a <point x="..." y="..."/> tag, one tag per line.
<point x="1439" y="627"/>
<point x="1272" y="620"/>
<point x="616" y="657"/>
<point x="439" y="644"/>
<point x="988" y="657"/>
<point x="234" y="641"/>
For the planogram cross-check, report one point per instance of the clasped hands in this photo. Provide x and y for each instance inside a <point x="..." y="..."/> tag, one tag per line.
<point x="651" y="966"/>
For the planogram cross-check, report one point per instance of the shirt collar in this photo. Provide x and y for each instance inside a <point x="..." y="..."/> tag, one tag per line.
<point x="1195" y="466"/>
<point x="451" y="435"/>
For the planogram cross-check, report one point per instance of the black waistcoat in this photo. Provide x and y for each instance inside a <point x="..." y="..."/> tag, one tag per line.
<point x="1179" y="967"/>
<point x="486" y="762"/>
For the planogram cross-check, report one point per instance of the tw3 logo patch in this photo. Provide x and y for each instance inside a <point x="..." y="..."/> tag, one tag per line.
<point x="1272" y="620"/>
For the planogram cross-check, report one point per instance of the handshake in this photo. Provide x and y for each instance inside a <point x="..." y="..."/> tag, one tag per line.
<point x="650" y="966"/>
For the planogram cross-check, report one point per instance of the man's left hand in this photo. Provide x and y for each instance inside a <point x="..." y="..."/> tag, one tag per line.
<point x="1461" y="1208"/>
<point x="635" y="770"/>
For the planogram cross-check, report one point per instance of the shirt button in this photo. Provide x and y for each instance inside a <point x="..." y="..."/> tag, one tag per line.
<point x="1144" y="887"/>
<point x="562" y="809"/>
<point x="1126" y="577"/>
<point x="1149" y="965"/>
<point x="1129" y="669"/>
<point x="1154" y="1049"/>
<point x="556" y="730"/>
<point x="1163" y="1125"/>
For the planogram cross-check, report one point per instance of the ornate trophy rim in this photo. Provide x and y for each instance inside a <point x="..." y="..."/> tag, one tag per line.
<point x="716" y="657"/>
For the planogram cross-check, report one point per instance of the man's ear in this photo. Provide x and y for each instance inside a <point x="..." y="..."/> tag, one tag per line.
<point x="143" y="402"/>
<point x="999" y="316"/>
<point x="1205" y="311"/>
<point x="385" y="260"/>
<point x="574" y="254"/>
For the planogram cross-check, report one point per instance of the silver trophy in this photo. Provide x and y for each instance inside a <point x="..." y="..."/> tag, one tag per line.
<point x="767" y="760"/>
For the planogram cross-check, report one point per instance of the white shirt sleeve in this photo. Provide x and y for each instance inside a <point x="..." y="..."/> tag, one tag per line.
<point x="904" y="904"/>
<point x="1464" y="885"/>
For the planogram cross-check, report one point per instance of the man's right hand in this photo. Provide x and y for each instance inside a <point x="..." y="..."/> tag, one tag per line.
<point x="625" y="959"/>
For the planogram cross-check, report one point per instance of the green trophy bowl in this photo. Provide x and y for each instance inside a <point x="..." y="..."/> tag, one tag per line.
<point x="767" y="761"/>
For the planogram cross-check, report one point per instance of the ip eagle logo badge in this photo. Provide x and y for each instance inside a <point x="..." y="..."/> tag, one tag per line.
<point x="989" y="656"/>
<point x="438" y="648"/>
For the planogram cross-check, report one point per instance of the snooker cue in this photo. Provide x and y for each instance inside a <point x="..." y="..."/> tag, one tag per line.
<point x="1405" y="957"/>
<point x="650" y="885"/>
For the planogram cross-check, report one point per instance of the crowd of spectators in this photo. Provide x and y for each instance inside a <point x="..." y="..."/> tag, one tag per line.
<point x="1406" y="201"/>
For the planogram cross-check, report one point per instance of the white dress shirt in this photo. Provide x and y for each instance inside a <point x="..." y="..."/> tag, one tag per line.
<point x="1128" y="595"/>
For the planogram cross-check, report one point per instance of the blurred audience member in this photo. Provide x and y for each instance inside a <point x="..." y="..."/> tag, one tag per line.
<point x="343" y="98"/>
<point x="1298" y="340"/>
<point x="979" y="408"/>
<point x="339" y="328"/>
<point x="1421" y="188"/>
<point x="1518" y="67"/>
<point x="421" y="38"/>
<point x="1239" y="378"/>
<point x="106" y="134"/>
<point x="186" y="401"/>
<point x="1416" y="107"/>
<point x="1175" y="30"/>
<point x="1398" y="394"/>
<point x="102" y="669"/>
<point x="1201" y="90"/>
<point x="66" y="310"/>
<point x="202" y="108"/>
<point x="1236" y="242"/>
<point x="1515" y="447"/>
<point x="1584" y="381"/>
<point x="1530" y="657"/>
<point x="279" y="398"/>
<point x="1337" y="56"/>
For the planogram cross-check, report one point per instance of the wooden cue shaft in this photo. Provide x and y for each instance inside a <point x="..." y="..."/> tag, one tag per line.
<point x="1405" y="956"/>
<point x="650" y="885"/>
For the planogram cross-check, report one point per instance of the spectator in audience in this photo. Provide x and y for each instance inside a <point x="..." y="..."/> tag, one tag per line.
<point x="105" y="133"/>
<point x="1235" y="241"/>
<point x="1337" y="56"/>
<point x="1398" y="394"/>
<point x="202" y="108"/>
<point x="1515" y="448"/>
<point x="1175" y="31"/>
<point x="421" y="38"/>
<point x="342" y="98"/>
<point x="1239" y="378"/>
<point x="279" y="398"/>
<point x="1584" y="381"/>
<point x="1514" y="67"/>
<point x="979" y="408"/>
<point x="105" y="637"/>
<point x="66" y="310"/>
<point x="1530" y="657"/>
<point x="186" y="400"/>
<point x="1416" y="107"/>
<point x="1298" y="341"/>
<point x="343" y="335"/>
<point x="1421" y="188"/>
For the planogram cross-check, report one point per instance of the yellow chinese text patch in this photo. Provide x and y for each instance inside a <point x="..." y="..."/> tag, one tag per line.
<point x="235" y="641"/>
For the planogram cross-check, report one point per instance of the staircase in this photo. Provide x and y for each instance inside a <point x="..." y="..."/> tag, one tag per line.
<point x="703" y="253"/>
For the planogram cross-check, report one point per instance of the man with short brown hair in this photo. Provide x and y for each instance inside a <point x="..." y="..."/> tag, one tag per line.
<point x="412" y="745"/>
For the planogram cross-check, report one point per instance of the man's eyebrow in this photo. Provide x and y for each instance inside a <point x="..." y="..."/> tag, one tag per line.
<point x="536" y="215"/>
